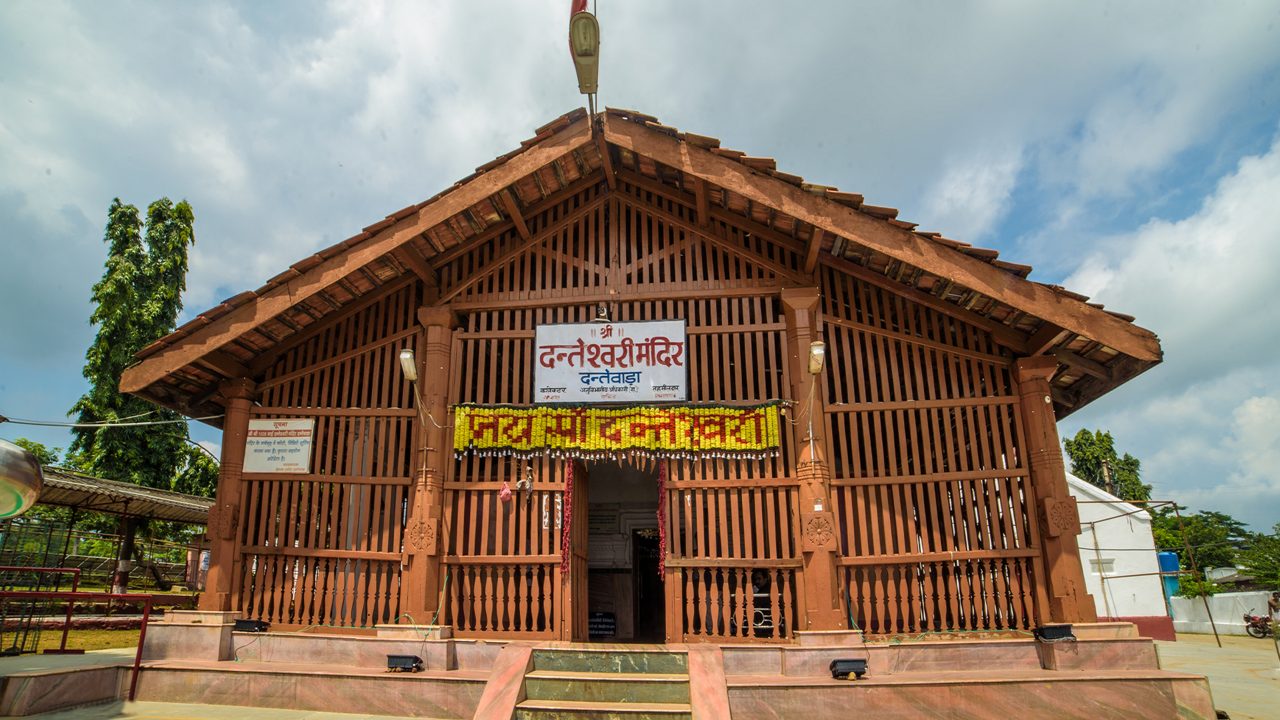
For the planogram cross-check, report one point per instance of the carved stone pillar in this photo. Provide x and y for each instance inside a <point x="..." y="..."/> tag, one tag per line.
<point x="823" y="609"/>
<point x="1058" y="515"/>
<point x="421" y="576"/>
<point x="224" y="516"/>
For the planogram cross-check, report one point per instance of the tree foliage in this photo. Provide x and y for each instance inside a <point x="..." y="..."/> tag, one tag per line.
<point x="137" y="302"/>
<point x="1261" y="558"/>
<point x="1090" y="450"/>
<point x="45" y="455"/>
<point x="1215" y="539"/>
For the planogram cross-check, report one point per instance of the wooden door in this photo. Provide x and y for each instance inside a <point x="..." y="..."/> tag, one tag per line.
<point x="575" y="595"/>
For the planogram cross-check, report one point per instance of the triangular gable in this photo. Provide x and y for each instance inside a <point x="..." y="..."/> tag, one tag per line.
<point x="821" y="224"/>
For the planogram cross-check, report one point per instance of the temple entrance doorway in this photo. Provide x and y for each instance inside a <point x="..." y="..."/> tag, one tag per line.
<point x="625" y="595"/>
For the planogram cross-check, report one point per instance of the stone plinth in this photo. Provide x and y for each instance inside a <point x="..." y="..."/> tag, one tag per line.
<point x="415" y="632"/>
<point x="827" y="638"/>
<point x="191" y="635"/>
<point x="1104" y="630"/>
<point x="977" y="695"/>
<point x="1120" y="654"/>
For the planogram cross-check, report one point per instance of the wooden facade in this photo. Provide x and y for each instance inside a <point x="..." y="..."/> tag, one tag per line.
<point x="919" y="487"/>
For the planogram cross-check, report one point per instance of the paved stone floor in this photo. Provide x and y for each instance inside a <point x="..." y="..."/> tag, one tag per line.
<point x="1244" y="674"/>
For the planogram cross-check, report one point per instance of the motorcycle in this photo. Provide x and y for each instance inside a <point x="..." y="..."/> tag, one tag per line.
<point x="1258" y="626"/>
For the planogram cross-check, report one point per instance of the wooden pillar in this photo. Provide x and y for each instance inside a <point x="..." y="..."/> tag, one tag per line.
<point x="1058" y="515"/>
<point x="421" y="571"/>
<point x="823" y="609"/>
<point x="224" y="516"/>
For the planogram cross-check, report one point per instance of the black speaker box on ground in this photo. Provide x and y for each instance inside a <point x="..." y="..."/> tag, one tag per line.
<point x="842" y="669"/>
<point x="404" y="663"/>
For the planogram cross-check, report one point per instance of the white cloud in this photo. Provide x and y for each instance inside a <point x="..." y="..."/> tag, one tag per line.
<point x="1207" y="422"/>
<point x="290" y="126"/>
<point x="1255" y="441"/>
<point x="973" y="194"/>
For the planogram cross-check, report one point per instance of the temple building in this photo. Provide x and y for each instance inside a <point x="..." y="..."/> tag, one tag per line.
<point x="624" y="383"/>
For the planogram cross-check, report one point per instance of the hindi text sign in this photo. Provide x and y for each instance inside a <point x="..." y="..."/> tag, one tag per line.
<point x="279" y="446"/>
<point x="611" y="362"/>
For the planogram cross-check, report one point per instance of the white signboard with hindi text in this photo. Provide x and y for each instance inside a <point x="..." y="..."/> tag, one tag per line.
<point x="611" y="363"/>
<point x="279" y="446"/>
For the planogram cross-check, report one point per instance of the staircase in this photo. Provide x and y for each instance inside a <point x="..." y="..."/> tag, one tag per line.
<point x="606" y="685"/>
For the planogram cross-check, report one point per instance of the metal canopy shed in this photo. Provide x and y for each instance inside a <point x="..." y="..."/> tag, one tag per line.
<point x="85" y="492"/>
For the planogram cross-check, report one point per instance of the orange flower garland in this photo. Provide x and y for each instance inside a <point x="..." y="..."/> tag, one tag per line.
<point x="605" y="432"/>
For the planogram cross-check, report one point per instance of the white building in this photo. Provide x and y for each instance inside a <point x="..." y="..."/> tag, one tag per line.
<point x="1119" y="557"/>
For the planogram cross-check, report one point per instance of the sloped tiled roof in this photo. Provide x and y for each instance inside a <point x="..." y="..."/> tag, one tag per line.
<point x="183" y="370"/>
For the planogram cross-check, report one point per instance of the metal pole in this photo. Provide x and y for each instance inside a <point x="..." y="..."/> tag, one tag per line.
<point x="1102" y="579"/>
<point x="137" y="658"/>
<point x="1182" y="530"/>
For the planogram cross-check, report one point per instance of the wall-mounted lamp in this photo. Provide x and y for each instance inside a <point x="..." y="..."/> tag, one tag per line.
<point x="408" y="365"/>
<point x="817" y="356"/>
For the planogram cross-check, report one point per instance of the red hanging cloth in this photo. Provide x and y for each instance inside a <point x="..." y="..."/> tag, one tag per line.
<point x="662" y="518"/>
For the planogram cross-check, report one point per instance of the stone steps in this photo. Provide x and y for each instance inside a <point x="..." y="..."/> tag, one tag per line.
<point x="606" y="684"/>
<point x="613" y="661"/>
<point x="555" y="709"/>
<point x="608" y="687"/>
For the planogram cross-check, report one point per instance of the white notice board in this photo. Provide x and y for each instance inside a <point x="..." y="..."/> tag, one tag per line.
<point x="611" y="362"/>
<point x="279" y="446"/>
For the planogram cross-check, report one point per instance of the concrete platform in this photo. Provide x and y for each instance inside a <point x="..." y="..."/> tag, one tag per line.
<point x="32" y="684"/>
<point x="210" y="666"/>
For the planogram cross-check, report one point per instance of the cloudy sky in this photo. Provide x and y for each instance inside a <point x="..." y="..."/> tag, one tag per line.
<point x="1128" y="150"/>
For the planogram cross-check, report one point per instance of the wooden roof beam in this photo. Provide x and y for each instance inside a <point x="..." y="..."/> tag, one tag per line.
<point x="520" y="247"/>
<point x="281" y="297"/>
<point x="225" y="365"/>
<point x="606" y="162"/>
<point x="783" y="272"/>
<point x="811" y="250"/>
<point x="1064" y="398"/>
<point x="513" y="211"/>
<point x="897" y="243"/>
<point x="415" y="263"/>
<point x="532" y="211"/>
<point x="1044" y="338"/>
<point x="702" y="203"/>
<point x="1084" y="364"/>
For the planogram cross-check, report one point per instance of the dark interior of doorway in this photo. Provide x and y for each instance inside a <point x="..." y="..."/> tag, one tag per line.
<point x="650" y="598"/>
<point x="626" y="598"/>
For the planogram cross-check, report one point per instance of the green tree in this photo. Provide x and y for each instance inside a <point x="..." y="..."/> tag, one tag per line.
<point x="1215" y="538"/>
<point x="1089" y="451"/>
<point x="1261" y="557"/>
<point x="137" y="302"/>
<point x="45" y="455"/>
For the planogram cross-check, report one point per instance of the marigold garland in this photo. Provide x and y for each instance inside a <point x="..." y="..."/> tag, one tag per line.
<point x="678" y="432"/>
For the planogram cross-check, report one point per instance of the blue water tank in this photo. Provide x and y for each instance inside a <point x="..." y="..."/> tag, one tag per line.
<point x="1168" y="562"/>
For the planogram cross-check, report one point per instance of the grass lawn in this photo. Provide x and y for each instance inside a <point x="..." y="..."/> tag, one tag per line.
<point x="90" y="639"/>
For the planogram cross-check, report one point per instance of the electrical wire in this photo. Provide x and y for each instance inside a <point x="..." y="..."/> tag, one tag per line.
<point x="104" y="424"/>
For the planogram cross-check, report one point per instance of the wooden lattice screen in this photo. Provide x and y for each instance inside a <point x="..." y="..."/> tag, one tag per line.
<point x="732" y="563"/>
<point x="937" y="527"/>
<point x="920" y="423"/>
<point x="324" y="548"/>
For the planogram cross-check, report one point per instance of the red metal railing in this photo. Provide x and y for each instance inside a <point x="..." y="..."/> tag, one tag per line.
<point x="75" y="587"/>
<point x="71" y="597"/>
